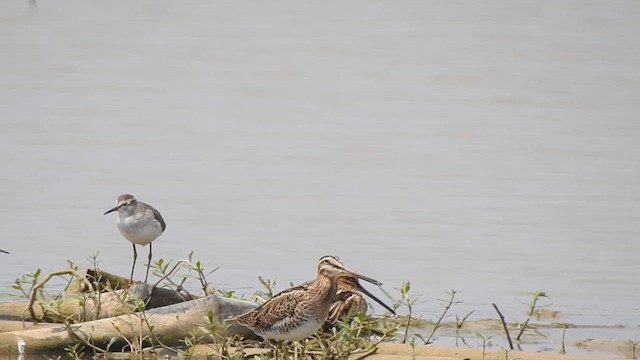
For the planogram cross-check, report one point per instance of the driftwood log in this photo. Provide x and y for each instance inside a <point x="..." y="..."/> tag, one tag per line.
<point x="170" y="324"/>
<point x="106" y="308"/>
<point x="91" y="305"/>
<point x="90" y="295"/>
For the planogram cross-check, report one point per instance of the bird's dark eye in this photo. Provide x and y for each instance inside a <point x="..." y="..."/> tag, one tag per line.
<point x="330" y="263"/>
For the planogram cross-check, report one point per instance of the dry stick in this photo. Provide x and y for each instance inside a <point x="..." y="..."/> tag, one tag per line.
<point x="38" y="286"/>
<point x="504" y="325"/>
<point x="73" y="334"/>
<point x="460" y="323"/>
<point x="633" y="349"/>
<point x="364" y="354"/>
<point x="563" y="350"/>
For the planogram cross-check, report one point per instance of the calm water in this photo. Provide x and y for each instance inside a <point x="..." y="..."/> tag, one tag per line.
<point x="492" y="148"/>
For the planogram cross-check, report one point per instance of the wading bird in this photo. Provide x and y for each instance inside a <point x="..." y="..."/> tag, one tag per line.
<point x="349" y="301"/>
<point x="298" y="312"/>
<point x="139" y="223"/>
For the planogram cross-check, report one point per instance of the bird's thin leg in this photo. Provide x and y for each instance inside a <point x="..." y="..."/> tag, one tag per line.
<point x="135" y="256"/>
<point x="148" y="264"/>
<point x="275" y="347"/>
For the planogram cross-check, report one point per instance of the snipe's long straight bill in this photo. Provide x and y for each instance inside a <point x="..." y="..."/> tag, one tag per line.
<point x="362" y="277"/>
<point x="366" y="292"/>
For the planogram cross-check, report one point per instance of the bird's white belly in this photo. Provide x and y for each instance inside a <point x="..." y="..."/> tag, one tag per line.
<point x="139" y="232"/>
<point x="300" y="332"/>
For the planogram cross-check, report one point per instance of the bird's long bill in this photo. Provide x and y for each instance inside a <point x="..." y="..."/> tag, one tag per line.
<point x="348" y="272"/>
<point x="366" y="292"/>
<point x="112" y="209"/>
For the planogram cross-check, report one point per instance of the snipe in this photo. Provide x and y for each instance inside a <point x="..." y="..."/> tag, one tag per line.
<point x="349" y="301"/>
<point x="298" y="312"/>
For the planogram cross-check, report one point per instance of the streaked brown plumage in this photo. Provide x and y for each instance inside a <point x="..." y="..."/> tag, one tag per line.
<point x="298" y="312"/>
<point x="349" y="301"/>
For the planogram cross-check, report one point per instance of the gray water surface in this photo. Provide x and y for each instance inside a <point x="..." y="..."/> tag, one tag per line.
<point x="486" y="147"/>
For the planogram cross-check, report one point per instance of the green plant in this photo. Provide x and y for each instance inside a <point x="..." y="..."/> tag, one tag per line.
<point x="75" y="351"/>
<point x="407" y="300"/>
<point x="348" y="339"/>
<point x="506" y="354"/>
<point x="268" y="285"/>
<point x="28" y="278"/>
<point x="412" y="344"/>
<point x="536" y="295"/>
<point x="213" y="330"/>
<point x="460" y="321"/>
<point x="227" y="293"/>
<point x="485" y="342"/>
<point x="38" y="288"/>
<point x="82" y="339"/>
<point x="447" y="306"/>
<point x="166" y="273"/>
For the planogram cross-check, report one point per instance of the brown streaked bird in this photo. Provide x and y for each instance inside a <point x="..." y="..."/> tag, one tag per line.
<point x="349" y="301"/>
<point x="298" y="312"/>
<point x="139" y="223"/>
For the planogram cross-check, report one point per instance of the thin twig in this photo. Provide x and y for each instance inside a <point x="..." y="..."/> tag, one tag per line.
<point x="459" y="322"/>
<point x="38" y="286"/>
<point x="563" y="350"/>
<point x="504" y="325"/>
<point x="74" y="334"/>
<point x="450" y="303"/>
<point x="532" y="306"/>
